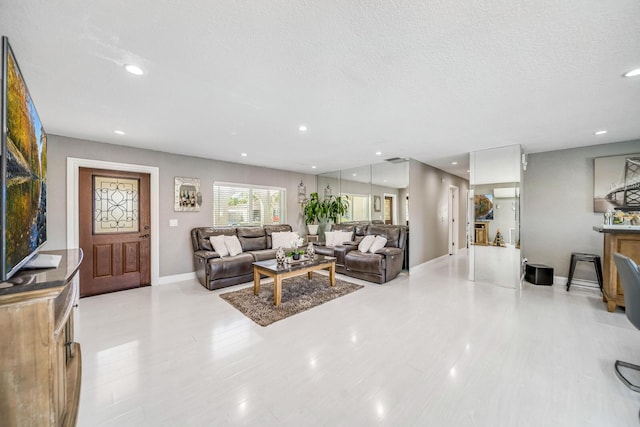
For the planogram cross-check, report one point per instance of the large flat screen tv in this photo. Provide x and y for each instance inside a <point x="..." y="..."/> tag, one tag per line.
<point x="23" y="213"/>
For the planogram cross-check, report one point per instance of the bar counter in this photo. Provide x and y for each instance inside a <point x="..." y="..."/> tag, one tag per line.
<point x="624" y="239"/>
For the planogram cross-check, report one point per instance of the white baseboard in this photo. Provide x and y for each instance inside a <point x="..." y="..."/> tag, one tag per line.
<point x="164" y="280"/>
<point x="428" y="262"/>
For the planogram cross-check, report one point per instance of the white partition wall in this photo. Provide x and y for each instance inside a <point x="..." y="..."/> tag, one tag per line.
<point x="495" y="181"/>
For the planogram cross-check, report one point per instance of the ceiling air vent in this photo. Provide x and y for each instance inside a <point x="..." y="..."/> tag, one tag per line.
<point x="396" y="160"/>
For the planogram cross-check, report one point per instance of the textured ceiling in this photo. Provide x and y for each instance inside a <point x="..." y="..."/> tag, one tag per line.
<point x="431" y="80"/>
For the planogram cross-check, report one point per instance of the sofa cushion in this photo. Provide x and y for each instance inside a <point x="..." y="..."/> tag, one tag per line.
<point x="360" y="230"/>
<point x="269" y="229"/>
<point x="366" y="243"/>
<point x="250" y="232"/>
<point x="324" y="250"/>
<point x="264" y="254"/>
<point x="233" y="244"/>
<point x="341" y="237"/>
<point x="378" y="243"/>
<point x="390" y="232"/>
<point x="252" y="238"/>
<point x="231" y="266"/>
<point x="344" y="227"/>
<point x="328" y="238"/>
<point x="219" y="245"/>
<point x="365" y="262"/>
<point x="204" y="243"/>
<point x="282" y="239"/>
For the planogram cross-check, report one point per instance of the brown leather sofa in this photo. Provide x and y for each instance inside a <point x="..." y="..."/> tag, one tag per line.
<point x="379" y="267"/>
<point x="216" y="272"/>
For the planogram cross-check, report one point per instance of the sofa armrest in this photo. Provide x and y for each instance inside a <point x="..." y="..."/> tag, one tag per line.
<point x="393" y="261"/>
<point x="200" y="260"/>
<point x="341" y="251"/>
<point x="204" y="254"/>
<point x="389" y="251"/>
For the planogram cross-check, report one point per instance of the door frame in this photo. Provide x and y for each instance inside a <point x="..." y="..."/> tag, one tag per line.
<point x="394" y="207"/>
<point x="73" y="204"/>
<point x="454" y="214"/>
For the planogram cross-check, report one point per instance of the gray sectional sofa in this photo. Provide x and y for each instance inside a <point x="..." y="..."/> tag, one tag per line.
<point x="216" y="272"/>
<point x="378" y="267"/>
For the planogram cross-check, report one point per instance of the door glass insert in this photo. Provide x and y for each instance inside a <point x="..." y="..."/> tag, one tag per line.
<point x="115" y="205"/>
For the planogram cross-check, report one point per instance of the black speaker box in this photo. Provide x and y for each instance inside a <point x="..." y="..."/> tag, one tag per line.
<point x="538" y="274"/>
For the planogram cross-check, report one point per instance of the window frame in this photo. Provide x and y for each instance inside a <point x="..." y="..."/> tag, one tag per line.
<point x="250" y="188"/>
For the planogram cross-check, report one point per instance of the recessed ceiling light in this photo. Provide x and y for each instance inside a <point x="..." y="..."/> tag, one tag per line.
<point x="600" y="132"/>
<point x="134" y="69"/>
<point x="302" y="128"/>
<point x="243" y="154"/>
<point x="355" y="174"/>
<point x="119" y="132"/>
<point x="633" y="73"/>
<point x="378" y="153"/>
<point x="313" y="167"/>
<point x="454" y="163"/>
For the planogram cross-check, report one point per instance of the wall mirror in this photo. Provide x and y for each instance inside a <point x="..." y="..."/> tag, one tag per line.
<point x="355" y="183"/>
<point x="378" y="192"/>
<point x="390" y="189"/>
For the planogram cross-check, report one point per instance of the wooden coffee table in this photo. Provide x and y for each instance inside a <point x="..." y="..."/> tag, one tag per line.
<point x="270" y="268"/>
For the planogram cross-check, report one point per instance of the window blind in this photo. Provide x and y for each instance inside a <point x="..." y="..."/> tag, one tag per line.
<point x="238" y="204"/>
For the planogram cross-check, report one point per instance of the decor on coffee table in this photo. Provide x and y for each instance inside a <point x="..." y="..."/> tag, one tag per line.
<point x="278" y="272"/>
<point x="311" y="252"/>
<point x="280" y="256"/>
<point x="296" y="242"/>
<point x="298" y="294"/>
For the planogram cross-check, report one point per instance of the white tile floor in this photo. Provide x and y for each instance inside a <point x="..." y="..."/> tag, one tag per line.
<point x="429" y="349"/>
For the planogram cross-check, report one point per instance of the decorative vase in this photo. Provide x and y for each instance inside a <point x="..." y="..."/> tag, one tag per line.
<point x="280" y="256"/>
<point x="311" y="252"/>
<point x="313" y="229"/>
<point x="296" y="255"/>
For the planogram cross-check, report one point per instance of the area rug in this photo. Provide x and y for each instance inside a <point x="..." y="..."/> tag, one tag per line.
<point x="298" y="294"/>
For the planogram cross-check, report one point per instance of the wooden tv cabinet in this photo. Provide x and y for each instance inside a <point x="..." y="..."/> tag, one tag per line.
<point x="481" y="229"/>
<point x="40" y="364"/>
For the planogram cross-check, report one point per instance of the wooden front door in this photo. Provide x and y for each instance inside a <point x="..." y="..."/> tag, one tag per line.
<point x="388" y="210"/>
<point x="114" y="230"/>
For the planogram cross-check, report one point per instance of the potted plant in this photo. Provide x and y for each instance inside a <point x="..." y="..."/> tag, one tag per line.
<point x="313" y="212"/>
<point x="337" y="207"/>
<point x="295" y="243"/>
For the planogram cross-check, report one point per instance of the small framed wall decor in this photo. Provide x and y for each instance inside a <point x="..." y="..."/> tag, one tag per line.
<point x="187" y="194"/>
<point x="377" y="203"/>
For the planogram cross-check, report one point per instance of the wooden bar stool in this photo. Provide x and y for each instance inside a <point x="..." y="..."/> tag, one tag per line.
<point x="579" y="256"/>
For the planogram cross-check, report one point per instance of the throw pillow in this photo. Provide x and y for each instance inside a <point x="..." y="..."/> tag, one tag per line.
<point x="281" y="239"/>
<point x="341" y="237"/>
<point x="329" y="237"/>
<point x="233" y="244"/>
<point x="377" y="244"/>
<point x="219" y="245"/>
<point x="366" y="242"/>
